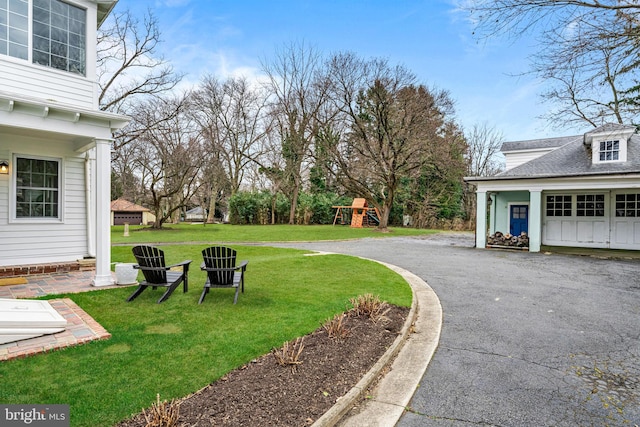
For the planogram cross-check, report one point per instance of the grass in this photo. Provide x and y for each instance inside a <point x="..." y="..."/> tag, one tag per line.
<point x="177" y="347"/>
<point x="252" y="233"/>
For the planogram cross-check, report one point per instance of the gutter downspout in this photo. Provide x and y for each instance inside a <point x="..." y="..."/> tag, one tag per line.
<point x="91" y="246"/>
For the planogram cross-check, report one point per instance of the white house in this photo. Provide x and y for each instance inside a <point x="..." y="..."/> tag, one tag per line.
<point x="54" y="140"/>
<point x="580" y="191"/>
<point x="195" y="214"/>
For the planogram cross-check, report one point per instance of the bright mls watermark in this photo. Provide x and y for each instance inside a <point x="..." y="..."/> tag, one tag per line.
<point x="34" y="415"/>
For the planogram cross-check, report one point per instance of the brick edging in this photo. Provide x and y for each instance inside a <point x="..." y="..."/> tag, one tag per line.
<point x="28" y="270"/>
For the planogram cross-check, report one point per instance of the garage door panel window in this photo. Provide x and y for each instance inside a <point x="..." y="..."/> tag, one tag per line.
<point x="559" y="205"/>
<point x="628" y="205"/>
<point x="590" y="205"/>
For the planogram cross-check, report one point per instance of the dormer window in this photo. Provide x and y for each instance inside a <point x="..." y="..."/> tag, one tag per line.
<point x="609" y="150"/>
<point x="608" y="143"/>
<point x="59" y="33"/>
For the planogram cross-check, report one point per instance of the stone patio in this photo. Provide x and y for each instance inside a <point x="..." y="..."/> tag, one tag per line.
<point x="81" y="328"/>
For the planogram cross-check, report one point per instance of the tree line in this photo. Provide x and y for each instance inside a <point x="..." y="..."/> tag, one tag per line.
<point x="326" y="127"/>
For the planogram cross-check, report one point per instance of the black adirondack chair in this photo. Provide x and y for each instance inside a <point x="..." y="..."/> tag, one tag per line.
<point x="157" y="274"/>
<point x="222" y="271"/>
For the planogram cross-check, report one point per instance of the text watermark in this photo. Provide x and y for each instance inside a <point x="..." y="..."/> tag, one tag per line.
<point x="34" y="415"/>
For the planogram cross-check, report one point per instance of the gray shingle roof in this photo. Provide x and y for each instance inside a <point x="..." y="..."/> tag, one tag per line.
<point x="574" y="159"/>
<point x="571" y="156"/>
<point x="534" y="144"/>
<point x="611" y="127"/>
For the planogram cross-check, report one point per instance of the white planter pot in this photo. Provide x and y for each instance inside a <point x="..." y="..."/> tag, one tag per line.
<point x="126" y="274"/>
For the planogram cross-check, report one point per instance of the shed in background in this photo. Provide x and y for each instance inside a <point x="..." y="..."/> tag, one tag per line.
<point x="125" y="211"/>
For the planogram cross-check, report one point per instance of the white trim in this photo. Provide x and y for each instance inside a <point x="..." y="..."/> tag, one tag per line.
<point x="103" y="275"/>
<point x="13" y="219"/>
<point x="582" y="183"/>
<point x="622" y="150"/>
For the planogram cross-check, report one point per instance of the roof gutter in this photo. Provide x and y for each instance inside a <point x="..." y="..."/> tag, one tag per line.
<point x="473" y="179"/>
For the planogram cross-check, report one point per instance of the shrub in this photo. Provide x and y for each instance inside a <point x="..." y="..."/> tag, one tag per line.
<point x="247" y="207"/>
<point x="335" y="327"/>
<point x="289" y="354"/>
<point x="370" y="306"/>
<point x="162" y="414"/>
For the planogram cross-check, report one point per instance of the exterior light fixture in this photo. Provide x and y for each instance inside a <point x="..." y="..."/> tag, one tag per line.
<point x="4" y="167"/>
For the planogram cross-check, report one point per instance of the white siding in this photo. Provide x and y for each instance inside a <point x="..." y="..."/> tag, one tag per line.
<point x="23" y="78"/>
<point x="516" y="158"/>
<point x="29" y="242"/>
<point x="53" y="86"/>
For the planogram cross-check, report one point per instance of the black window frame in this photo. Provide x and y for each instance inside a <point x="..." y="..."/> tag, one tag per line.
<point x="559" y="205"/>
<point x="627" y="205"/>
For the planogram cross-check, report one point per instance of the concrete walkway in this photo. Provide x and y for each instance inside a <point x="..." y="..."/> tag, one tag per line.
<point x="528" y="339"/>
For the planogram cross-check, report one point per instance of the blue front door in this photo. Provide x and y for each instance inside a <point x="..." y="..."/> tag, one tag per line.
<point x="519" y="215"/>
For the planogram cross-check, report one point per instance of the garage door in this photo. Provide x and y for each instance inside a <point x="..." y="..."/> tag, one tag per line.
<point x="626" y="221"/>
<point x="133" y="218"/>
<point x="579" y="220"/>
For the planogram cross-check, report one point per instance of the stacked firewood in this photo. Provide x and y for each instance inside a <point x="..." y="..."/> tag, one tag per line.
<point x="506" y="239"/>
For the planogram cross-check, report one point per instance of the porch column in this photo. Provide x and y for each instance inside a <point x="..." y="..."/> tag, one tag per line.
<point x="535" y="220"/>
<point x="481" y="219"/>
<point x="102" y="215"/>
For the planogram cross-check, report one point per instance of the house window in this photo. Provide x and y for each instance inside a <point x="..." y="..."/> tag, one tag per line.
<point x="37" y="188"/>
<point x="609" y="150"/>
<point x="14" y="28"/>
<point x="590" y="205"/>
<point x="559" y="205"/>
<point x="628" y="205"/>
<point x="59" y="35"/>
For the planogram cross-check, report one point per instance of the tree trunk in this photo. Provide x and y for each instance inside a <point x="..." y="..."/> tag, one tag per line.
<point x="294" y="204"/>
<point x="384" y="217"/>
<point x="212" y="211"/>
<point x="212" y="205"/>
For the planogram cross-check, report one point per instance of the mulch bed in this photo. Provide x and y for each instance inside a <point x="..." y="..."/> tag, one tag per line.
<point x="264" y="393"/>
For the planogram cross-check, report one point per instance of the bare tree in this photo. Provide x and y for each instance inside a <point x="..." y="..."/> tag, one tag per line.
<point x="483" y="150"/>
<point x="592" y="89"/>
<point x="393" y="127"/>
<point x="514" y="17"/>
<point x="128" y="63"/>
<point x="124" y="180"/>
<point x="299" y="92"/>
<point x="130" y="70"/>
<point x="483" y="159"/>
<point x="589" y="51"/>
<point x="169" y="156"/>
<point x="232" y="119"/>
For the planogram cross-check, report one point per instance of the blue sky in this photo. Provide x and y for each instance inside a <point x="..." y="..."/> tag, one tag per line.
<point x="430" y="37"/>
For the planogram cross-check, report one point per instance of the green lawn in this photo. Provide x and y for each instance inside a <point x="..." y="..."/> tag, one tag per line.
<point x="217" y="233"/>
<point x="177" y="347"/>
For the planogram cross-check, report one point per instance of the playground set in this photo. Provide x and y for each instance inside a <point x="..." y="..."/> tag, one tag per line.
<point x="361" y="214"/>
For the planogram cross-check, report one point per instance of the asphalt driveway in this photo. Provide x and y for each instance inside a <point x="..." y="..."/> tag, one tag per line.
<point x="529" y="339"/>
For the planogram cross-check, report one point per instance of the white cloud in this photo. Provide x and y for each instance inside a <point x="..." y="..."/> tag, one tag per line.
<point x="172" y="3"/>
<point x="197" y="61"/>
